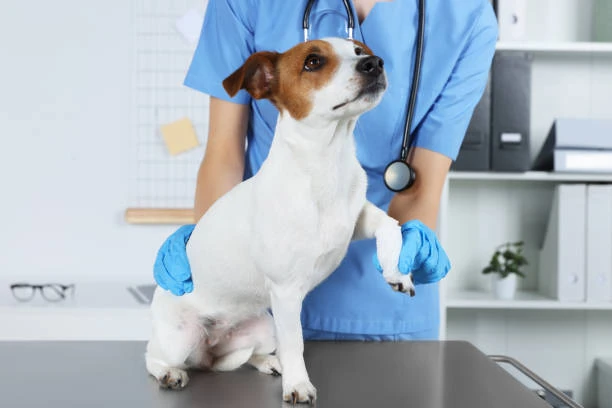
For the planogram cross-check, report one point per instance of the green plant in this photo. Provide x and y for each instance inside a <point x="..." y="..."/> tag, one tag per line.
<point x="508" y="258"/>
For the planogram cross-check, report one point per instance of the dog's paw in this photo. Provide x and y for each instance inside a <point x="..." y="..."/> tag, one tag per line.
<point x="267" y="364"/>
<point x="401" y="283"/>
<point x="303" y="392"/>
<point x="174" y="379"/>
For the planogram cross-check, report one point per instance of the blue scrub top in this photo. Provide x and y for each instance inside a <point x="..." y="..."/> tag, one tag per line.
<point x="459" y="45"/>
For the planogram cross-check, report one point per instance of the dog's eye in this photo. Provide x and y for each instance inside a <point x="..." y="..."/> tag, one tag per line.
<point x="313" y="62"/>
<point x="358" y="50"/>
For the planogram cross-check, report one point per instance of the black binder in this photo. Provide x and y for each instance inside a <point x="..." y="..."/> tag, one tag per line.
<point x="510" y="113"/>
<point x="475" y="151"/>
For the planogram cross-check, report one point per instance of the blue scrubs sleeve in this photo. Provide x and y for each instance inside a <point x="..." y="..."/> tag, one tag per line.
<point x="443" y="128"/>
<point x="226" y="41"/>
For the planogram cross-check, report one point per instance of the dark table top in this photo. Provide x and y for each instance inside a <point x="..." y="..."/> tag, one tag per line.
<point x="346" y="375"/>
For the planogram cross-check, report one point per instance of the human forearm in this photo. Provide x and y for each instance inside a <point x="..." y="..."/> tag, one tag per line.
<point x="414" y="206"/>
<point x="223" y="164"/>
<point x="422" y="200"/>
<point x="416" y="209"/>
<point x="215" y="178"/>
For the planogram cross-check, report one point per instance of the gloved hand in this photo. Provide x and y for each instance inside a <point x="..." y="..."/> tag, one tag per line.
<point x="421" y="254"/>
<point x="171" y="269"/>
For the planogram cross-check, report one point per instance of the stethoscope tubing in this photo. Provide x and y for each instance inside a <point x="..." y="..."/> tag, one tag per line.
<point x="349" y="15"/>
<point x="392" y="172"/>
<point x="416" y="78"/>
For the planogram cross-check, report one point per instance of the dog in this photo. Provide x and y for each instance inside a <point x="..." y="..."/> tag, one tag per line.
<point x="272" y="238"/>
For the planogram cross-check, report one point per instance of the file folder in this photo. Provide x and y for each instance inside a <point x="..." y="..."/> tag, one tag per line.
<point x="512" y="19"/>
<point x="599" y="243"/>
<point x="510" y="113"/>
<point x="562" y="271"/>
<point x="582" y="161"/>
<point x="577" y="145"/>
<point x="475" y="153"/>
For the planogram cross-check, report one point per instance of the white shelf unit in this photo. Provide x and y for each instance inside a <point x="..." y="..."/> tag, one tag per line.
<point x="556" y="47"/>
<point x="571" y="77"/>
<point x="530" y="300"/>
<point x="498" y="194"/>
<point x="558" y="340"/>
<point x="531" y="176"/>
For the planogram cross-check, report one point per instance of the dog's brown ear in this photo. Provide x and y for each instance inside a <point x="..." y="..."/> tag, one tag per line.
<point x="256" y="75"/>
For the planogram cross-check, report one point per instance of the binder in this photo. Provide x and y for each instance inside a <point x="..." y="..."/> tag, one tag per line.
<point x="510" y="111"/>
<point x="475" y="154"/>
<point x="512" y="19"/>
<point x="570" y="139"/>
<point x="599" y="243"/>
<point x="562" y="272"/>
<point x="582" y="161"/>
<point x="602" y="14"/>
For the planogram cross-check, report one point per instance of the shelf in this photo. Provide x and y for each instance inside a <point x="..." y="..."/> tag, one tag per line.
<point x="95" y="311"/>
<point x="556" y="47"/>
<point x="530" y="176"/>
<point x="85" y="295"/>
<point x="176" y="216"/>
<point x="523" y="300"/>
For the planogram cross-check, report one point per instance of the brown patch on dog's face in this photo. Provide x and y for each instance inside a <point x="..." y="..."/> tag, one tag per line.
<point x="303" y="70"/>
<point x="361" y="48"/>
<point x="287" y="79"/>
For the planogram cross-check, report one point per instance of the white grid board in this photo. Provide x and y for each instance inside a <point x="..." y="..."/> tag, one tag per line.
<point x="161" y="57"/>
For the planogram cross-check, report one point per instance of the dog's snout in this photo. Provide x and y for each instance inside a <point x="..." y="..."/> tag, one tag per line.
<point x="371" y="66"/>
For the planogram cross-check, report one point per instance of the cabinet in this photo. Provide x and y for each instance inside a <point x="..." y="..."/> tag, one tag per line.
<point x="571" y="77"/>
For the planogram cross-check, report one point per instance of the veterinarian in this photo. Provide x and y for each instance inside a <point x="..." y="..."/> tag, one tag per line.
<point x="355" y="302"/>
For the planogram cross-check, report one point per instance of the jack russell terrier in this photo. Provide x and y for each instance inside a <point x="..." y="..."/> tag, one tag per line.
<point x="274" y="237"/>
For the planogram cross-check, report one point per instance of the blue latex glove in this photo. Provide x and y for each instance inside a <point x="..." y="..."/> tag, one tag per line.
<point x="171" y="269"/>
<point x="422" y="255"/>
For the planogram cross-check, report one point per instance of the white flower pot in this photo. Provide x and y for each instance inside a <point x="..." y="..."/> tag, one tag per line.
<point x="504" y="288"/>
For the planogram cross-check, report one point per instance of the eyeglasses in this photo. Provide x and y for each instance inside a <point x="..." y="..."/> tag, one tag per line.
<point x="52" y="292"/>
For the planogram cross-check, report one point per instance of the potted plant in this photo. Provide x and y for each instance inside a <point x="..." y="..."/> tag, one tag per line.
<point x="505" y="265"/>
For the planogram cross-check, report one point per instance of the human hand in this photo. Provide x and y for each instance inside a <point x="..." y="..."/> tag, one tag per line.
<point x="421" y="254"/>
<point x="171" y="269"/>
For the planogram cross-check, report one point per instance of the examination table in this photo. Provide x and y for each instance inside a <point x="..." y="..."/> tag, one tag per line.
<point x="447" y="374"/>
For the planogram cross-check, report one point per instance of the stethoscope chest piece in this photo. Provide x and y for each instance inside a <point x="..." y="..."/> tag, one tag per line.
<point x="399" y="176"/>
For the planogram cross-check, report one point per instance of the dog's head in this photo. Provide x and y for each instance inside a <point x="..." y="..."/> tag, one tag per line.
<point x="326" y="79"/>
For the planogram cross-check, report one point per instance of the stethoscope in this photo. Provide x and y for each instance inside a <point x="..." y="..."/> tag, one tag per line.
<point x="399" y="175"/>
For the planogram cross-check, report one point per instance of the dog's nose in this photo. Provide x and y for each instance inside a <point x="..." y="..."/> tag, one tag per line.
<point x="371" y="66"/>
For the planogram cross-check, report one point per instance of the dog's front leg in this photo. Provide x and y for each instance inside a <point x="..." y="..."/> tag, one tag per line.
<point x="375" y="223"/>
<point x="286" y="308"/>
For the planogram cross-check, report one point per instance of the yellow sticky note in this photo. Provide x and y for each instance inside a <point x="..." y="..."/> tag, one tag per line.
<point x="179" y="136"/>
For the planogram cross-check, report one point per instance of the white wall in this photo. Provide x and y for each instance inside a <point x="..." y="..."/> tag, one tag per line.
<point x="65" y="76"/>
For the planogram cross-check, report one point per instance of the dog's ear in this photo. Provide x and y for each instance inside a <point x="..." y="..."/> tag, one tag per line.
<point x="256" y="75"/>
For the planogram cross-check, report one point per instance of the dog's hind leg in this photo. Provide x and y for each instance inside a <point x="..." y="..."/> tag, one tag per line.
<point x="262" y="358"/>
<point x="169" y="349"/>
<point x="252" y="342"/>
<point x="233" y="360"/>
<point x="266" y="363"/>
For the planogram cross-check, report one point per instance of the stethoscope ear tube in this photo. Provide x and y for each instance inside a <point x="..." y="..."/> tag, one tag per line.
<point x="349" y="15"/>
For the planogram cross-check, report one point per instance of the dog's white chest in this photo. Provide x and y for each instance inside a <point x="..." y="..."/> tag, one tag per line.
<point x="336" y="230"/>
<point x="317" y="218"/>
